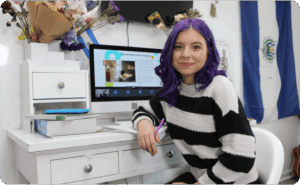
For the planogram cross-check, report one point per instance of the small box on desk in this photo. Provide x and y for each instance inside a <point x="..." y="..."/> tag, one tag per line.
<point x="72" y="64"/>
<point x="56" y="59"/>
<point x="37" y="53"/>
<point x="60" y="128"/>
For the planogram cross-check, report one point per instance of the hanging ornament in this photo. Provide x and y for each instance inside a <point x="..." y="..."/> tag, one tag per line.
<point x="213" y="11"/>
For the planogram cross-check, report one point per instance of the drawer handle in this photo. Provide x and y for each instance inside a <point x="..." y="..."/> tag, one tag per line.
<point x="170" y="154"/>
<point x="61" y="85"/>
<point x="88" y="168"/>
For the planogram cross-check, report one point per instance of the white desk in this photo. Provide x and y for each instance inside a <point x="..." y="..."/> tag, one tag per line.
<point x="89" y="158"/>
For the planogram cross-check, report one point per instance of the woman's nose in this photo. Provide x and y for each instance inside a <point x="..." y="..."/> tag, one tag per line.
<point x="186" y="53"/>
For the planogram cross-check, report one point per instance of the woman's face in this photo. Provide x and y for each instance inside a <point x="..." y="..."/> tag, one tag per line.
<point x="189" y="54"/>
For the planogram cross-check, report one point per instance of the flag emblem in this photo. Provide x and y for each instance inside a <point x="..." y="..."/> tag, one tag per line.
<point x="269" y="49"/>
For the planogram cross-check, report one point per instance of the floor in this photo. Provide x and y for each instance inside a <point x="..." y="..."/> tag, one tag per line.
<point x="293" y="180"/>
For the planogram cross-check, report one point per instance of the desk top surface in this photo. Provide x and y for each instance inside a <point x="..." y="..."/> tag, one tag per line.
<point x="35" y="142"/>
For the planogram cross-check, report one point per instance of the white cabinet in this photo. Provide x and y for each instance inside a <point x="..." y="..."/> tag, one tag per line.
<point x="40" y="85"/>
<point x="83" y="168"/>
<point x="90" y="158"/>
<point x="58" y="85"/>
<point x="139" y="159"/>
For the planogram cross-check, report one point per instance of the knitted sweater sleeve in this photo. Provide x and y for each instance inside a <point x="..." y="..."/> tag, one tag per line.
<point x="234" y="132"/>
<point x="152" y="111"/>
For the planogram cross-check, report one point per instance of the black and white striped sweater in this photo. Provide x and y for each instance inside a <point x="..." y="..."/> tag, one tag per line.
<point x="210" y="129"/>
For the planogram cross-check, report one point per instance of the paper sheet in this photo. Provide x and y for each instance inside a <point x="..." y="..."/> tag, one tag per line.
<point x="128" y="128"/>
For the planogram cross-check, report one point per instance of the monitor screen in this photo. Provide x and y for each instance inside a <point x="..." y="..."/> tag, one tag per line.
<point x="120" y="73"/>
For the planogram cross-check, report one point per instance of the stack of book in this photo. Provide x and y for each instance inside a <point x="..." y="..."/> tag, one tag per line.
<point x="64" y="124"/>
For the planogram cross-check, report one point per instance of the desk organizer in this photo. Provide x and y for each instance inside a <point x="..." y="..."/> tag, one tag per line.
<point x="47" y="78"/>
<point x="41" y="57"/>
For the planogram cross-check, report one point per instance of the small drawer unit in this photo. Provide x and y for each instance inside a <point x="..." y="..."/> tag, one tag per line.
<point x="138" y="158"/>
<point x="83" y="168"/>
<point x="58" y="85"/>
<point x="45" y="85"/>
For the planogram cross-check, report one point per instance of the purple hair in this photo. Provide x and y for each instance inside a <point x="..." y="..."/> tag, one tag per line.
<point x="170" y="77"/>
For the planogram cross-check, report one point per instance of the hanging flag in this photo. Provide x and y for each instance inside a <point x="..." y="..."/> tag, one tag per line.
<point x="87" y="38"/>
<point x="270" y="89"/>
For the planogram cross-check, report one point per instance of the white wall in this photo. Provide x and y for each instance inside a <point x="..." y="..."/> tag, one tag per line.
<point x="226" y="25"/>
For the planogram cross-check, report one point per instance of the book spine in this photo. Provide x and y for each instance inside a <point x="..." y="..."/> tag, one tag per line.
<point x="55" y="128"/>
<point x="41" y="126"/>
<point x="60" y="118"/>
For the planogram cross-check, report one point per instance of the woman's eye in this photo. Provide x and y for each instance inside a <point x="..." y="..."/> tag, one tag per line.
<point x="179" y="47"/>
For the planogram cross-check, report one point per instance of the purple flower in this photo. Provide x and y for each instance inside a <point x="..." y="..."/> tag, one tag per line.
<point x="112" y="3"/>
<point x="72" y="47"/>
<point x="80" y="46"/>
<point x="91" y="4"/>
<point x="121" y="18"/>
<point x="69" y="36"/>
<point x="115" y="8"/>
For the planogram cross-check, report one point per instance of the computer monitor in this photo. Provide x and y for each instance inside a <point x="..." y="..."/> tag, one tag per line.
<point x="122" y="78"/>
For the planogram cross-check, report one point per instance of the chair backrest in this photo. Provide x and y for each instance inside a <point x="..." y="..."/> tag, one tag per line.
<point x="269" y="156"/>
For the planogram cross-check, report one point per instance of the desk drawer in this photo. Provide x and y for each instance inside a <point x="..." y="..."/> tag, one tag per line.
<point x="74" y="169"/>
<point x="58" y="85"/>
<point x="139" y="158"/>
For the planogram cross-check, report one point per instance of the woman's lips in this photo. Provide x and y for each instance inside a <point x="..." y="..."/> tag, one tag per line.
<point x="186" y="64"/>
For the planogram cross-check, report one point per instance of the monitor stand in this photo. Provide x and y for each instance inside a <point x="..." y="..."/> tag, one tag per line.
<point x="123" y="116"/>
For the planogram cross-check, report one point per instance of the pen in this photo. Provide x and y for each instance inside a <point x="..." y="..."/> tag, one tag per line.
<point x="159" y="126"/>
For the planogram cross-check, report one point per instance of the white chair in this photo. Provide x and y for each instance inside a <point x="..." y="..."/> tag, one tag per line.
<point x="269" y="156"/>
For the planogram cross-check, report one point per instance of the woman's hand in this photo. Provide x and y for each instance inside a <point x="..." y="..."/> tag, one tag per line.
<point x="185" y="183"/>
<point x="179" y="183"/>
<point x="146" y="136"/>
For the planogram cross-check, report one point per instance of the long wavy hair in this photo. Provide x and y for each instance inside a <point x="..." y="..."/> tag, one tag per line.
<point x="170" y="77"/>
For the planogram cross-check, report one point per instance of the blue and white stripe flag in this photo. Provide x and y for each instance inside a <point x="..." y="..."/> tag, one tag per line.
<point x="87" y="38"/>
<point x="270" y="89"/>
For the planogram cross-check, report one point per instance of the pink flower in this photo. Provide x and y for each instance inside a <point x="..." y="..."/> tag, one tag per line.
<point x="33" y="37"/>
<point x="178" y="17"/>
<point x="160" y="26"/>
<point x="45" y="4"/>
<point x="89" y="19"/>
<point x="76" y="11"/>
<point x="59" y="4"/>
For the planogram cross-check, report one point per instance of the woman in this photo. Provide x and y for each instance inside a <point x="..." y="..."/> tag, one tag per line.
<point x="203" y="113"/>
<point x="122" y="78"/>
